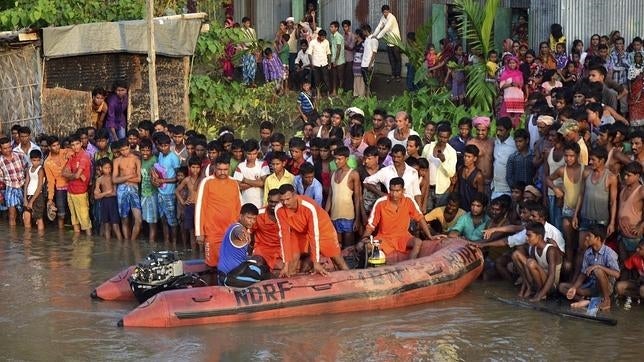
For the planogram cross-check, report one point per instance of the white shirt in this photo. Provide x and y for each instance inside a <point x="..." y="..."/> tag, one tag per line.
<point x="253" y="195"/>
<point x="319" y="52"/>
<point x="385" y="174"/>
<point x="304" y="58"/>
<point x="552" y="232"/>
<point x="502" y="151"/>
<point x="370" y="50"/>
<point x="394" y="141"/>
<point x="533" y="130"/>
<point x="440" y="173"/>
<point x="32" y="147"/>
<point x="388" y="25"/>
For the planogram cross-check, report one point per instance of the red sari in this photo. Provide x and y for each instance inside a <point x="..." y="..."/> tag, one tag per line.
<point x="635" y="99"/>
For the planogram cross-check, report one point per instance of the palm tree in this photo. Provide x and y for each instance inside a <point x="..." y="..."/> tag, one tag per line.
<point x="476" y="24"/>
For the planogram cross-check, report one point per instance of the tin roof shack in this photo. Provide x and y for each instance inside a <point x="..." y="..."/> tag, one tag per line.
<point x="81" y="57"/>
<point x="20" y="81"/>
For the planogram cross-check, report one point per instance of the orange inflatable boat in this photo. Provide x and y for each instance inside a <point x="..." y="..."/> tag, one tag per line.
<point x="118" y="287"/>
<point x="444" y="269"/>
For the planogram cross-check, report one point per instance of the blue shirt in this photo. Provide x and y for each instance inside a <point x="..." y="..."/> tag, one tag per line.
<point x="170" y="163"/>
<point x="306" y="102"/>
<point x="231" y="255"/>
<point x="314" y="190"/>
<point x="465" y="227"/>
<point x="606" y="257"/>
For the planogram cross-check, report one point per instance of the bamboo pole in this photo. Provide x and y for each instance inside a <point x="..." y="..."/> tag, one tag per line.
<point x="152" y="64"/>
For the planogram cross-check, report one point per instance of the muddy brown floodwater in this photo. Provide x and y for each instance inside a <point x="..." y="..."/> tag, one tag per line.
<point x="46" y="314"/>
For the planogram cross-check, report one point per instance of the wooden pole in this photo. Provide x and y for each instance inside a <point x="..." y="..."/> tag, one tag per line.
<point x="152" y="64"/>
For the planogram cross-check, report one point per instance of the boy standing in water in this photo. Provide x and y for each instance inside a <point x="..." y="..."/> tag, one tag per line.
<point x="105" y="192"/>
<point x="166" y="185"/>
<point x="127" y="175"/>
<point x="78" y="174"/>
<point x="189" y="184"/>
<point x="34" y="200"/>
<point x="149" y="211"/>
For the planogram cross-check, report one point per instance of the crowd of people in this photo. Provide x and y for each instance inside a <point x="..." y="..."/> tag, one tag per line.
<point x="556" y="206"/>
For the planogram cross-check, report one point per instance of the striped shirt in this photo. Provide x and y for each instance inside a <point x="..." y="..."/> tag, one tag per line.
<point x="12" y="170"/>
<point x="306" y="102"/>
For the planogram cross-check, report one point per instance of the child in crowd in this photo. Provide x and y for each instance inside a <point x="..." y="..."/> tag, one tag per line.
<point x="345" y="186"/>
<point x="280" y="175"/>
<point x="273" y="70"/>
<point x="492" y="64"/>
<point x="237" y="153"/>
<point x="251" y="174"/>
<point x="105" y="192"/>
<point x="186" y="194"/>
<point x="34" y="201"/>
<point x="127" y="175"/>
<point x="149" y="209"/>
<point x="306" y="102"/>
<point x="99" y="107"/>
<point x="182" y="173"/>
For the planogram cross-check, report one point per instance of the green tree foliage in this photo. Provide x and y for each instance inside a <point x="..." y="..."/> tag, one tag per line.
<point x="20" y="14"/>
<point x="476" y="24"/>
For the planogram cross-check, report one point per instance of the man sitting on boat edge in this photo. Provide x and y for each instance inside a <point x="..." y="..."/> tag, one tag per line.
<point x="236" y="268"/>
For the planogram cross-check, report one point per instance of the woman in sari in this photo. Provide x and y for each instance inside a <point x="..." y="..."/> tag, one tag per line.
<point x="532" y="73"/>
<point x="545" y="56"/>
<point x="511" y="83"/>
<point x="636" y="83"/>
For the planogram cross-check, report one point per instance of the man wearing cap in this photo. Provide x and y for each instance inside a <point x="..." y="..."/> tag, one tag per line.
<point x="570" y="131"/>
<point x="541" y="146"/>
<point x="531" y="194"/>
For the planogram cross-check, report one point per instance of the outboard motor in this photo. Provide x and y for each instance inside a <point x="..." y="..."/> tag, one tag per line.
<point x="160" y="271"/>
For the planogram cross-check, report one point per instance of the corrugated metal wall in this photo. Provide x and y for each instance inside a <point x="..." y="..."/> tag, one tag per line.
<point x="541" y="14"/>
<point x="602" y="17"/>
<point x="268" y="14"/>
<point x="582" y="19"/>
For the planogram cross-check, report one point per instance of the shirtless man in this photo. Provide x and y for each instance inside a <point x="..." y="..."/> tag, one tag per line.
<point x="630" y="222"/>
<point x="127" y="175"/>
<point x="616" y="159"/>
<point x="638" y="148"/>
<point x="485" y="145"/>
<point x="189" y="184"/>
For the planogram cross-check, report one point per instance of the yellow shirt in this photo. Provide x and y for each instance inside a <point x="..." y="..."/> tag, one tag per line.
<point x="272" y="182"/>
<point x="492" y="67"/>
<point x="439" y="214"/>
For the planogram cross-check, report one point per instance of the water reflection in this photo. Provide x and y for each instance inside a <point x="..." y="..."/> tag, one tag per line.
<point x="46" y="314"/>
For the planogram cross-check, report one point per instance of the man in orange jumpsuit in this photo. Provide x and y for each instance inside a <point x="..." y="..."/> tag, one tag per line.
<point x="218" y="206"/>
<point x="391" y="214"/>
<point x="266" y="232"/>
<point x="305" y="227"/>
